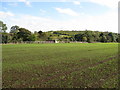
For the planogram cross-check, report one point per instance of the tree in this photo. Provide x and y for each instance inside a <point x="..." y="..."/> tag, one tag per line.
<point x="78" y="37"/>
<point x="4" y="38"/>
<point x="13" y="32"/>
<point x="24" y="34"/>
<point x="103" y="38"/>
<point x="3" y="27"/>
<point x="90" y="36"/>
<point x="84" y="39"/>
<point x="32" y="37"/>
<point x="14" y="29"/>
<point x="3" y="33"/>
<point x="42" y="35"/>
<point x="118" y="38"/>
<point x="40" y="32"/>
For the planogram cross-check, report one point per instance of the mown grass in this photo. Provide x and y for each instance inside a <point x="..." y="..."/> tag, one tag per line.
<point x="60" y="65"/>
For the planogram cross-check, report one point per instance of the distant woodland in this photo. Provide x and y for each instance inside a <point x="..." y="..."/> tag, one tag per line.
<point x="18" y="35"/>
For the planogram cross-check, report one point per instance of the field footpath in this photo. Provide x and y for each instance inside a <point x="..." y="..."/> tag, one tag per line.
<point x="77" y="69"/>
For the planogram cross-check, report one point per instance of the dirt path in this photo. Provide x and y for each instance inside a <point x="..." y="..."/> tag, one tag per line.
<point x="77" y="69"/>
<point x="41" y="82"/>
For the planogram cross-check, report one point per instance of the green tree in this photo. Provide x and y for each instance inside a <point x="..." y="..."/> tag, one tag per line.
<point x="118" y="38"/>
<point x="3" y="33"/>
<point x="78" y="37"/>
<point x="14" y="29"/>
<point x="42" y="35"/>
<point x="84" y="39"/>
<point x="13" y="32"/>
<point x="32" y="37"/>
<point x="4" y="38"/>
<point x="90" y="36"/>
<point x="24" y="34"/>
<point x="103" y="38"/>
<point x="3" y="27"/>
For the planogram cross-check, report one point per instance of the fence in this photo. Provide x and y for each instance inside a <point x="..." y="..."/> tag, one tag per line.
<point x="41" y="42"/>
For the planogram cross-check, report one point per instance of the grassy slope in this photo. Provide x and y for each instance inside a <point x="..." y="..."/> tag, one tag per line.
<point x="59" y="65"/>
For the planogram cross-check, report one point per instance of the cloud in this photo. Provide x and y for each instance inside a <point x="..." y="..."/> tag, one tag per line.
<point x="76" y="2"/>
<point x="42" y="11"/>
<point x="67" y="11"/>
<point x="33" y="23"/>
<point x="108" y="3"/>
<point x="104" y="22"/>
<point x="107" y="21"/>
<point x="14" y="4"/>
<point x="26" y="2"/>
<point x="6" y="14"/>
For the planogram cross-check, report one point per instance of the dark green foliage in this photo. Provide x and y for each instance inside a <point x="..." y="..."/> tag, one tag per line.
<point x="14" y="29"/>
<point x="42" y="36"/>
<point x="24" y="34"/>
<point x="40" y="32"/>
<point x="4" y="38"/>
<point x="93" y="36"/>
<point x="103" y="38"/>
<point x="3" y="27"/>
<point x="32" y="37"/>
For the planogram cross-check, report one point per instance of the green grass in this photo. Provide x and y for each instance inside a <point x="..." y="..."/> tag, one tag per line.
<point x="65" y="65"/>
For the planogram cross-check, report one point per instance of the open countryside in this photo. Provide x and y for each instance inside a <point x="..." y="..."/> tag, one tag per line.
<point x="60" y="44"/>
<point x="60" y="65"/>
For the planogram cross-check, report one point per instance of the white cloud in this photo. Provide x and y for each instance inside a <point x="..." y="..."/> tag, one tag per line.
<point x="6" y="14"/>
<point x="108" y="3"/>
<point x="67" y="11"/>
<point x="105" y="22"/>
<point x="76" y="2"/>
<point x="42" y="11"/>
<point x="26" y="2"/>
<point x="32" y="23"/>
<point x="14" y="4"/>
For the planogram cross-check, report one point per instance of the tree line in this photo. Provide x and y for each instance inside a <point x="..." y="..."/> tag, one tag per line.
<point x="18" y="34"/>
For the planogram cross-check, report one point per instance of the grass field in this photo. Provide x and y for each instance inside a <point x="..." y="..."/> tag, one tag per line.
<point x="67" y="65"/>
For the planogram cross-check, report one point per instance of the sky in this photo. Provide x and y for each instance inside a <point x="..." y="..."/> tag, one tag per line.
<point x="47" y="15"/>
